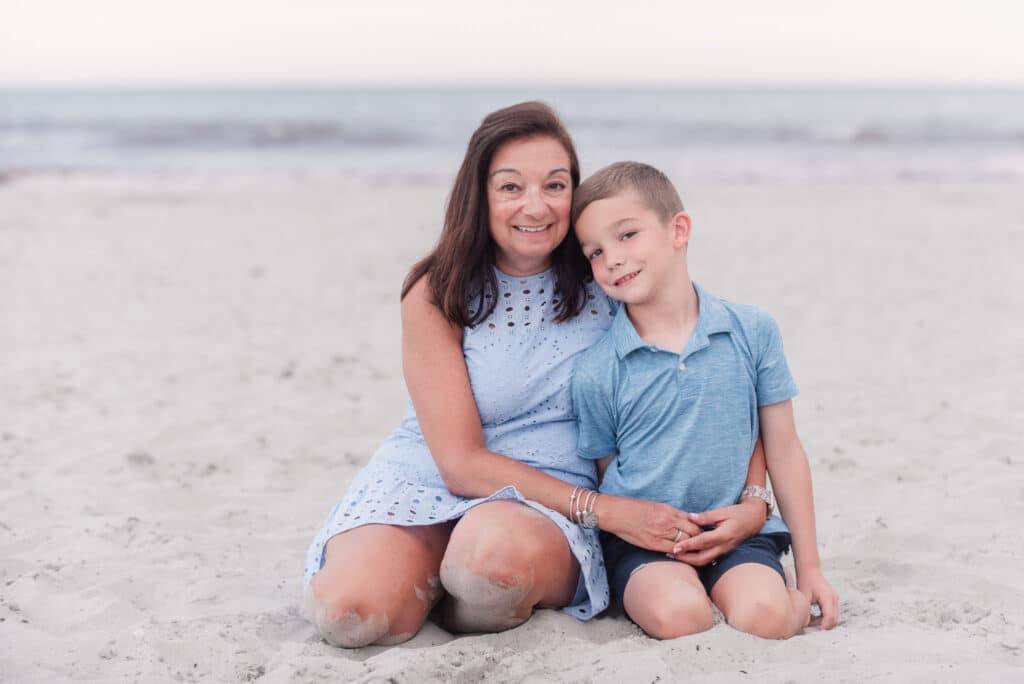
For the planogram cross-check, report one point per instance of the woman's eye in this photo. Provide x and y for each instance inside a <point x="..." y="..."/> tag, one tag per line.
<point x="557" y="186"/>
<point x="508" y="187"/>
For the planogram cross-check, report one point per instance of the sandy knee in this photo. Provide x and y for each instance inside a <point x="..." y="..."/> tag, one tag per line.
<point x="346" y="621"/>
<point x="485" y="598"/>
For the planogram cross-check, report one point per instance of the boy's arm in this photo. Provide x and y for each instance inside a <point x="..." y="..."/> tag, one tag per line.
<point x="757" y="471"/>
<point x="791" y="477"/>
<point x="602" y="465"/>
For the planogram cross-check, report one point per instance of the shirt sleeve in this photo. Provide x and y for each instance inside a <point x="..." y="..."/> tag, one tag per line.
<point x="774" y="381"/>
<point x="592" y="405"/>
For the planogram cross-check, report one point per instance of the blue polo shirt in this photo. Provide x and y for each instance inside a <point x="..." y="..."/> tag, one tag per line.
<point x="683" y="425"/>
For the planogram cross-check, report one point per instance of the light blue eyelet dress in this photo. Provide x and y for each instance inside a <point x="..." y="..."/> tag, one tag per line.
<point x="520" y="362"/>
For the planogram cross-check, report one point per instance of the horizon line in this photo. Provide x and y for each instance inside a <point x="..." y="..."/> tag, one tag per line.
<point x="480" y="86"/>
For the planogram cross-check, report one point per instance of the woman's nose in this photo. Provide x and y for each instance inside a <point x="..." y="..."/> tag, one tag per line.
<point x="534" y="203"/>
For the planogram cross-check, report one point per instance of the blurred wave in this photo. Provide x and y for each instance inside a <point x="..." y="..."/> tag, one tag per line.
<point x="724" y="134"/>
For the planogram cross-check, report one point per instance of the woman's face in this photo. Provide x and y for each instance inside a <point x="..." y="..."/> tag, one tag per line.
<point x="529" y="196"/>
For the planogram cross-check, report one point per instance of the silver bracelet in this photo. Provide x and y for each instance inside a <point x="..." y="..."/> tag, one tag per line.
<point x="759" y="493"/>
<point x="586" y="505"/>
<point x="572" y="500"/>
<point x="589" y="516"/>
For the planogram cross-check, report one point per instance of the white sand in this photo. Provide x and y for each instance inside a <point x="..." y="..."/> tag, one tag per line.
<point x="193" y="368"/>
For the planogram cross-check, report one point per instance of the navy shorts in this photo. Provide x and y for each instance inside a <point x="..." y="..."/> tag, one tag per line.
<point x="622" y="559"/>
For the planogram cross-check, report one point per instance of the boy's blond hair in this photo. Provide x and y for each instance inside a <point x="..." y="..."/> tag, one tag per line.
<point x="654" y="188"/>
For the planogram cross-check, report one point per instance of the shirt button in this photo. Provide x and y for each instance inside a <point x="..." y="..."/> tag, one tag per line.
<point x="652" y="348"/>
<point x="682" y="366"/>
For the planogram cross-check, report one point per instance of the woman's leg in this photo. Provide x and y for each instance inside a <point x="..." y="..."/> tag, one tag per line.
<point x="754" y="598"/>
<point x="503" y="560"/>
<point x="667" y="600"/>
<point x="377" y="585"/>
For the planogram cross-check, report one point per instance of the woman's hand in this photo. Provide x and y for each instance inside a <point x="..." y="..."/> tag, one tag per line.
<point x="647" y="524"/>
<point x="733" y="526"/>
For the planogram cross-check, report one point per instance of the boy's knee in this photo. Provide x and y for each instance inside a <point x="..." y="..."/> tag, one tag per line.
<point x="676" y="616"/>
<point x="765" y="618"/>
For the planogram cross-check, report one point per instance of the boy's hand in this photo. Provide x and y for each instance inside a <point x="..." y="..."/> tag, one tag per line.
<point x="815" y="587"/>
<point x="646" y="524"/>
<point x="733" y="526"/>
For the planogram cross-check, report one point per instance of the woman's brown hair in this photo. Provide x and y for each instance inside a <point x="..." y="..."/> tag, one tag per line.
<point x="461" y="265"/>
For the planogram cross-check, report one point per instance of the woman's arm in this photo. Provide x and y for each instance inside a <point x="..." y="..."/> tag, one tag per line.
<point x="438" y="383"/>
<point x="733" y="524"/>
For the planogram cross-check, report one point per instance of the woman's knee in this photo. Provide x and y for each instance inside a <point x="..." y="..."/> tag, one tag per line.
<point x="499" y="565"/>
<point x="377" y="586"/>
<point x="485" y="547"/>
<point x="488" y="571"/>
<point x="346" y="619"/>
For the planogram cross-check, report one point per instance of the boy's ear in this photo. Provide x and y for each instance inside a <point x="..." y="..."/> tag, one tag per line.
<point x="681" y="229"/>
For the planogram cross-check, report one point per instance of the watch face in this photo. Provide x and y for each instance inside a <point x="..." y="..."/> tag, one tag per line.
<point x="590" y="520"/>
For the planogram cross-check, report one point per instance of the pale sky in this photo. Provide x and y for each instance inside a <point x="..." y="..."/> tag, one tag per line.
<point x="510" y="42"/>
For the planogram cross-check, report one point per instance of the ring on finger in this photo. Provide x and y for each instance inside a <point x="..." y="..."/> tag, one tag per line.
<point x="679" y="535"/>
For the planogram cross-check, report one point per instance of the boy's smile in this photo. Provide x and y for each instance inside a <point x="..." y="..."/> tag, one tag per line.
<point x="632" y="252"/>
<point x="626" y="279"/>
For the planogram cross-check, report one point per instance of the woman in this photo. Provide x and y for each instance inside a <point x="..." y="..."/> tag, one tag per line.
<point x="470" y="496"/>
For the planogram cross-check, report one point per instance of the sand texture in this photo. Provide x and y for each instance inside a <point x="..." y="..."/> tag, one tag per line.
<point x="192" y="368"/>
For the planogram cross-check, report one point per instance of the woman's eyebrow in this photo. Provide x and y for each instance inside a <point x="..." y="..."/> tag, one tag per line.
<point x="552" y="172"/>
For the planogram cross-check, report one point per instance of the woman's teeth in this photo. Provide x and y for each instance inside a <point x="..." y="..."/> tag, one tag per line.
<point x="530" y="229"/>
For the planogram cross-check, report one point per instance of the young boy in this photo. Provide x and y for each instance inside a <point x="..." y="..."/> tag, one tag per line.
<point x="671" y="401"/>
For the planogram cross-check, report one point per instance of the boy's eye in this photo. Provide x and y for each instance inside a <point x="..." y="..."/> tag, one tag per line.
<point x="628" y="235"/>
<point x="593" y="255"/>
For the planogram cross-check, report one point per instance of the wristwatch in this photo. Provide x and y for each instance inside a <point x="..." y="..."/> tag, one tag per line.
<point x="761" y="493"/>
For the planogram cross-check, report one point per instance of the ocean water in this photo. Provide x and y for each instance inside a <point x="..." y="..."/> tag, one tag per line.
<point x="711" y="134"/>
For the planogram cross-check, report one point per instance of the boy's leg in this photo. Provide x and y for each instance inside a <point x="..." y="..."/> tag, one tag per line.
<point x="667" y="600"/>
<point x="749" y="587"/>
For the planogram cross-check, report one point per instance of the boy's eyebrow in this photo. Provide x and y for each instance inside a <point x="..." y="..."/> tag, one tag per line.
<point x="552" y="172"/>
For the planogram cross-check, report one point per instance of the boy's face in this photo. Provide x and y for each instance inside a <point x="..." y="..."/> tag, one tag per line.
<point x="632" y="252"/>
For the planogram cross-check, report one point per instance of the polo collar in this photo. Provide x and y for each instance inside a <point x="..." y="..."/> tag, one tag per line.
<point x="712" y="317"/>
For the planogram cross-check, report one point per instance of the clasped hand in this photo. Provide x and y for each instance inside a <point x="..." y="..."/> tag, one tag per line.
<point x="732" y="526"/>
<point x="660" y="527"/>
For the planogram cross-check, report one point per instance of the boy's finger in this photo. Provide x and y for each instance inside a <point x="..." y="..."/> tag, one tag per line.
<point x="700" y="558"/>
<point x="690" y="529"/>
<point x="706" y="518"/>
<point x="830" y="612"/>
<point x="697" y="542"/>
